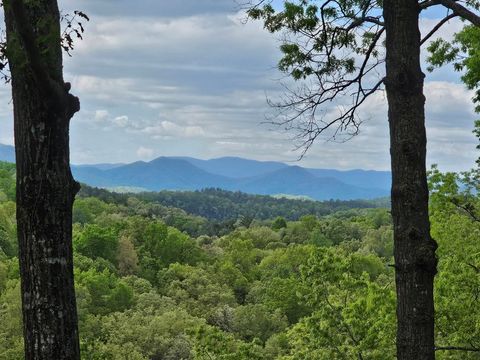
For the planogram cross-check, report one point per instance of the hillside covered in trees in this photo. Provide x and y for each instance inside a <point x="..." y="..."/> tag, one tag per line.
<point x="155" y="282"/>
<point x="221" y="205"/>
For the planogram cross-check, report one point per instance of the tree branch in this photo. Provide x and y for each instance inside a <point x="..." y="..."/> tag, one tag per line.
<point x="461" y="11"/>
<point x="326" y="56"/>
<point x="456" y="348"/>
<point x="56" y="94"/>
<point x="365" y="19"/>
<point x="437" y="27"/>
<point x="32" y="51"/>
<point x="428" y="3"/>
<point x="468" y="209"/>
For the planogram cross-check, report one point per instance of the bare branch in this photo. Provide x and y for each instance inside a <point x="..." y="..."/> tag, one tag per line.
<point x="428" y="3"/>
<point x="437" y="27"/>
<point x="333" y="55"/>
<point x="456" y="348"/>
<point x="365" y="19"/>
<point x="468" y="209"/>
<point x="461" y="11"/>
<point x="56" y="91"/>
<point x="476" y="268"/>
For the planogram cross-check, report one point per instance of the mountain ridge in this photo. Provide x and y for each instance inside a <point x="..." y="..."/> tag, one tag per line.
<point x="233" y="174"/>
<point x="7" y="153"/>
<point x="180" y="173"/>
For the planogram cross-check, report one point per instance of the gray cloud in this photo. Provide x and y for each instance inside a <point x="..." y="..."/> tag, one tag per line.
<point x="156" y="8"/>
<point x="188" y="77"/>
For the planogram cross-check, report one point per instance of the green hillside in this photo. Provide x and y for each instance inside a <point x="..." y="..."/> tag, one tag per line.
<point x="222" y="205"/>
<point x="154" y="282"/>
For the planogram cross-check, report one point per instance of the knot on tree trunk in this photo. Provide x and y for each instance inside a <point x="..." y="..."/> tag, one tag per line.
<point x="405" y="81"/>
<point x="75" y="187"/>
<point x="424" y="256"/>
<point x="62" y="102"/>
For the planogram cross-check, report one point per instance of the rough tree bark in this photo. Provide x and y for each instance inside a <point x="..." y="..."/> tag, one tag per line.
<point x="415" y="258"/>
<point x="46" y="189"/>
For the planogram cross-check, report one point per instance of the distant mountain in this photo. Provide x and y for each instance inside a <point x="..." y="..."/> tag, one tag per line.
<point x="295" y="180"/>
<point x="105" y="166"/>
<point x="236" y="167"/>
<point x="181" y="174"/>
<point x="231" y="173"/>
<point x="160" y="174"/>
<point x="362" y="178"/>
<point x="7" y="153"/>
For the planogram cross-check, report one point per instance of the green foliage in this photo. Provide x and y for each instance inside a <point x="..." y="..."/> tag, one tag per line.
<point x="316" y="288"/>
<point x="331" y="50"/>
<point x="94" y="241"/>
<point x="11" y="331"/>
<point x="103" y="292"/>
<point x="7" y="181"/>
<point x="378" y="241"/>
<point x="307" y="20"/>
<point x="353" y="317"/>
<point x="8" y="229"/>
<point x="256" y="321"/>
<point x="219" y="206"/>
<point x="86" y="210"/>
<point x="211" y="343"/>
<point x="153" y="329"/>
<point x="455" y="212"/>
<point x="197" y="290"/>
<point x="279" y="223"/>
<point x="127" y="258"/>
<point x="168" y="245"/>
<point x="463" y="53"/>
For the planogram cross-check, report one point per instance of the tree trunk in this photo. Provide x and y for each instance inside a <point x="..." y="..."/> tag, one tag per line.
<point x="415" y="260"/>
<point x="45" y="186"/>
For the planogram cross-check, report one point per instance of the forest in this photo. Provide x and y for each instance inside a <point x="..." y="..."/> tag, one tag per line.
<point x="209" y="274"/>
<point x="152" y="282"/>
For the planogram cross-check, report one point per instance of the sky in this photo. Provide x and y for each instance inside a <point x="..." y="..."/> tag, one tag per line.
<point x="192" y="78"/>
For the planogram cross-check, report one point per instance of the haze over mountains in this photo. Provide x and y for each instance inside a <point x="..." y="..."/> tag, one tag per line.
<point x="232" y="173"/>
<point x="7" y="153"/>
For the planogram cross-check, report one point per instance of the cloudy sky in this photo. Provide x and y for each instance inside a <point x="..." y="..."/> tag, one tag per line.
<point x="191" y="78"/>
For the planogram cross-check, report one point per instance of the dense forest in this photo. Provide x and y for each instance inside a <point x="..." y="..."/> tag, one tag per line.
<point x="154" y="282"/>
<point x="220" y="206"/>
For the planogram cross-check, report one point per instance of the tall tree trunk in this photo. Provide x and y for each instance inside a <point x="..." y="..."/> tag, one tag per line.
<point x="415" y="260"/>
<point x="45" y="186"/>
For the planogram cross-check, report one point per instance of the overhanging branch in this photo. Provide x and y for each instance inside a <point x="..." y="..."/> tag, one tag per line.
<point x="456" y="348"/>
<point x="437" y="27"/>
<point x="55" y="93"/>
<point x="461" y="11"/>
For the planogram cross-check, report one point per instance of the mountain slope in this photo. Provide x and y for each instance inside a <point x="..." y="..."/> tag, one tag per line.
<point x="236" y="167"/>
<point x="159" y="174"/>
<point x="7" y="153"/>
<point x="179" y="174"/>
<point x="222" y="205"/>
<point x="295" y="180"/>
<point x="231" y="173"/>
<point x="362" y="178"/>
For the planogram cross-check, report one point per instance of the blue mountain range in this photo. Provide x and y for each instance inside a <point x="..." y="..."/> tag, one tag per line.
<point x="7" y="153"/>
<point x="234" y="174"/>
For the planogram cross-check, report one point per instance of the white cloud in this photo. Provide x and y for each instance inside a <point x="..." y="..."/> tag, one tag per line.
<point x="7" y="140"/>
<point x="169" y="129"/>
<point x="101" y="115"/>
<point x="174" y="79"/>
<point x="144" y="153"/>
<point x="121" y="121"/>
